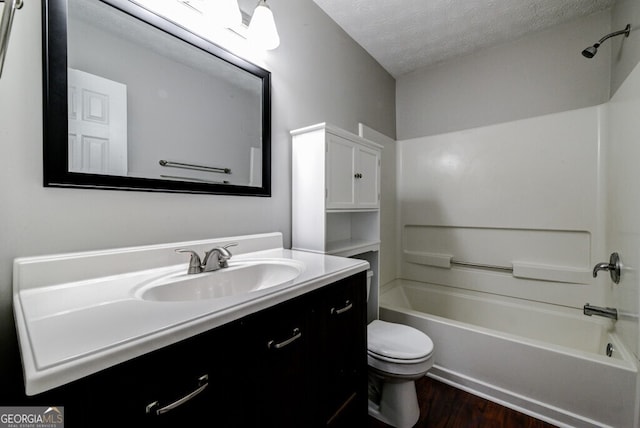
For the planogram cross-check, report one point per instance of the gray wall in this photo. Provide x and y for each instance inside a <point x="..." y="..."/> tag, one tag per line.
<point x="625" y="52"/>
<point x="535" y="75"/>
<point x="319" y="74"/>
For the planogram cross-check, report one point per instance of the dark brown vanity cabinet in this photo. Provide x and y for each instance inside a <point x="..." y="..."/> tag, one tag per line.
<point x="301" y="363"/>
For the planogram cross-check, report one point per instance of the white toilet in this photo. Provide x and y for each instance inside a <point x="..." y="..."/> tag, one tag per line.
<point x="397" y="355"/>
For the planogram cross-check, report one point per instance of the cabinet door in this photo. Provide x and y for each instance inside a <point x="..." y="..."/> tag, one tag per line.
<point x="343" y="314"/>
<point x="367" y="178"/>
<point x="280" y="392"/>
<point x="340" y="170"/>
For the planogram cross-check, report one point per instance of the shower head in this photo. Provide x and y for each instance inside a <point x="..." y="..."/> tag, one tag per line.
<point x="591" y="51"/>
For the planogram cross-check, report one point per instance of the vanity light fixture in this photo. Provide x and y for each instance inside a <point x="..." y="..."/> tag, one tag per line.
<point x="222" y="13"/>
<point x="212" y="15"/>
<point x="225" y="12"/>
<point x="262" y="28"/>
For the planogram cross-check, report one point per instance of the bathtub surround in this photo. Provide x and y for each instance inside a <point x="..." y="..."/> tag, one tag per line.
<point x="621" y="155"/>
<point x="520" y="195"/>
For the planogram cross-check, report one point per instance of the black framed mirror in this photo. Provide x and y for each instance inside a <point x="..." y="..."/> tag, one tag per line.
<point x="133" y="101"/>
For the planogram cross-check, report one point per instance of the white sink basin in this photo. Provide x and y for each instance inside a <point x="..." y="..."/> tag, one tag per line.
<point x="240" y="277"/>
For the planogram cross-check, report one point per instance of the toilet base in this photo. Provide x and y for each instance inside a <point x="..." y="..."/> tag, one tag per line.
<point x="398" y="404"/>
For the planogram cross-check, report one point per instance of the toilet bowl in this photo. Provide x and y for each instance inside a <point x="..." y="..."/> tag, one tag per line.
<point x="397" y="356"/>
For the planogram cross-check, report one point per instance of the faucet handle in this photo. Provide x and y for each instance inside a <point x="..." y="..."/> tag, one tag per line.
<point x="225" y="254"/>
<point x="195" y="265"/>
<point x="614" y="267"/>
<point x="225" y="249"/>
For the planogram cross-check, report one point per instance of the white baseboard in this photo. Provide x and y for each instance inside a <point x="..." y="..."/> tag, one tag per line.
<point x="518" y="402"/>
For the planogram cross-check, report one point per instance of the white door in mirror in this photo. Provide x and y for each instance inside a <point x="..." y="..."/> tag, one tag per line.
<point x="97" y="124"/>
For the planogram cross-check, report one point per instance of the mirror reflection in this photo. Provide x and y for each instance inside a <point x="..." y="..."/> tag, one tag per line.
<point x="144" y="104"/>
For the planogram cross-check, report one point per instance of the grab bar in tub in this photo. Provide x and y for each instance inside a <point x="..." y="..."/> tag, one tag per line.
<point x="482" y="266"/>
<point x="567" y="274"/>
<point x="446" y="260"/>
<point x="10" y="7"/>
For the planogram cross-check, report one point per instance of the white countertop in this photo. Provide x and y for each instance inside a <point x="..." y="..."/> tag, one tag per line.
<point x="70" y="329"/>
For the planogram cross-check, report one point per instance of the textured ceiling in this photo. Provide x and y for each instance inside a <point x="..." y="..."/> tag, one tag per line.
<point x="405" y="35"/>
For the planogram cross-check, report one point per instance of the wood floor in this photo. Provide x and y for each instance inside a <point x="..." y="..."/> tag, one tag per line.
<point x="443" y="406"/>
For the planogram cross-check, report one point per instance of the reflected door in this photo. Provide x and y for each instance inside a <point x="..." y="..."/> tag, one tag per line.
<point x="97" y="124"/>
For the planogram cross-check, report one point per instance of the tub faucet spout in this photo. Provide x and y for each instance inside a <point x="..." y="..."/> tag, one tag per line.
<point x="601" y="312"/>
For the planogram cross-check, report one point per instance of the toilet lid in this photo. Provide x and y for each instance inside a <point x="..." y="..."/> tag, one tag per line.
<point x="397" y="341"/>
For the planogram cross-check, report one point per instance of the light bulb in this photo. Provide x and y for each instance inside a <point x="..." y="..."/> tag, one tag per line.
<point x="262" y="28"/>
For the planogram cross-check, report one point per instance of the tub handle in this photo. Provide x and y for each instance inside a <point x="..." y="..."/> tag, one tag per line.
<point x="613" y="267"/>
<point x="347" y="307"/>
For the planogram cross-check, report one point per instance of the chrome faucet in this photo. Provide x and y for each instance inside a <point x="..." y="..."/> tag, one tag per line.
<point x="217" y="258"/>
<point x="601" y="312"/>
<point x="214" y="259"/>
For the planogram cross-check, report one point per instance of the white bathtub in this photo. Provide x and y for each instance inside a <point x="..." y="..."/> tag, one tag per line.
<point x="543" y="360"/>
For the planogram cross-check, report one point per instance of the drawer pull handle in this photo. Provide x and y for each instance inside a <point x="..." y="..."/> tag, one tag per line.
<point x="348" y="306"/>
<point x="297" y="334"/>
<point x="203" y="382"/>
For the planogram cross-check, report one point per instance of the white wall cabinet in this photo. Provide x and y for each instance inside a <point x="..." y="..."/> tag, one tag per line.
<point x="352" y="174"/>
<point x="336" y="196"/>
